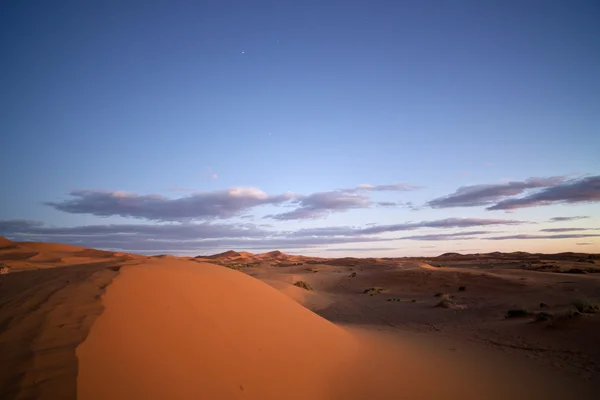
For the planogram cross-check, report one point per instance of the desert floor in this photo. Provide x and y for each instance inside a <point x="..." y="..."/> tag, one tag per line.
<point x="82" y="323"/>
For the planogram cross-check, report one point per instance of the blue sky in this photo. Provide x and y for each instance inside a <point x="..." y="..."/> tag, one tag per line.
<point x="237" y="124"/>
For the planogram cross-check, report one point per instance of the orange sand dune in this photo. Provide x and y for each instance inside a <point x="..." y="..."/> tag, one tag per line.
<point x="187" y="331"/>
<point x="182" y="330"/>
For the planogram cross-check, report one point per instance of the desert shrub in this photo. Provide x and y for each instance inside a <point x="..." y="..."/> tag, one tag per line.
<point x="576" y="271"/>
<point x="564" y="317"/>
<point x="586" y="306"/>
<point x="303" y="285"/>
<point x="353" y="275"/>
<point x="517" y="312"/>
<point x="445" y="301"/>
<point x="462" y="288"/>
<point x="373" y="290"/>
<point x="413" y="300"/>
<point x="438" y="294"/>
<point x="543" y="305"/>
<point x="542" y="316"/>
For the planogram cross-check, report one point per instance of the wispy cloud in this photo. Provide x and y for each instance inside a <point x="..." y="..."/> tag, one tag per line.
<point x="32" y="229"/>
<point x="159" y="238"/>
<point x="408" y="226"/>
<point x="561" y="219"/>
<point x="480" y="195"/>
<point x="583" y="244"/>
<point x="526" y="236"/>
<point x="442" y="223"/>
<point x="446" y="236"/>
<point x="362" y="249"/>
<point x="395" y="187"/>
<point x="206" y="205"/>
<point x="567" y="229"/>
<point x="387" y="204"/>
<point x="581" y="190"/>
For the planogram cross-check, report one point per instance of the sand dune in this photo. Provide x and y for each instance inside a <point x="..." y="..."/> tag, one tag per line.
<point x="181" y="331"/>
<point x="208" y="332"/>
<point x="91" y="324"/>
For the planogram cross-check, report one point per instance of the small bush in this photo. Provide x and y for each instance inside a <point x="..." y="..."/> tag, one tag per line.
<point x="353" y="275"/>
<point x="445" y="302"/>
<point x="414" y="300"/>
<point x="517" y="312"/>
<point x="586" y="306"/>
<point x="303" y="285"/>
<point x="462" y="288"/>
<point x="543" y="305"/>
<point x="564" y="317"/>
<point x="373" y="290"/>
<point x="543" y="316"/>
<point x="438" y="294"/>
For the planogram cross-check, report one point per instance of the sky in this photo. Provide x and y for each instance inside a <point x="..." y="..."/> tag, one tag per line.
<point x="326" y="128"/>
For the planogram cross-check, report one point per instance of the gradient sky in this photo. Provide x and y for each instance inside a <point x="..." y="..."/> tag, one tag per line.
<point x="195" y="127"/>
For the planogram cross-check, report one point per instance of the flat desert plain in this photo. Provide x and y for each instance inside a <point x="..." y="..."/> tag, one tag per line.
<point x="91" y="324"/>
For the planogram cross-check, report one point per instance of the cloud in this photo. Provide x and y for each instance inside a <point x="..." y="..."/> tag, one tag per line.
<point x="446" y="236"/>
<point x="31" y="229"/>
<point x="442" y="223"/>
<point x="387" y="204"/>
<point x="214" y="176"/>
<point x="524" y="237"/>
<point x="567" y="229"/>
<point x="363" y="249"/>
<point x="581" y="190"/>
<point x="479" y="195"/>
<point x="395" y="187"/>
<point x="376" y="229"/>
<point x="164" y="238"/>
<point x="198" y="206"/>
<point x="583" y="244"/>
<point x="320" y="204"/>
<point x="561" y="219"/>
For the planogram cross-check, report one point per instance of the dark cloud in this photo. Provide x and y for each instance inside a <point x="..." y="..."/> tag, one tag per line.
<point x="581" y="190"/>
<point x="320" y="204"/>
<point x="479" y="195"/>
<point x="445" y="236"/>
<point x="561" y="219"/>
<point x="525" y="236"/>
<point x="207" y="205"/>
<point x="218" y="204"/>
<point x="567" y="229"/>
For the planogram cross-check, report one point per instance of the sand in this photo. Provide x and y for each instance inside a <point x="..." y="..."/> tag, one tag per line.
<point x="181" y="331"/>
<point x="82" y="323"/>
